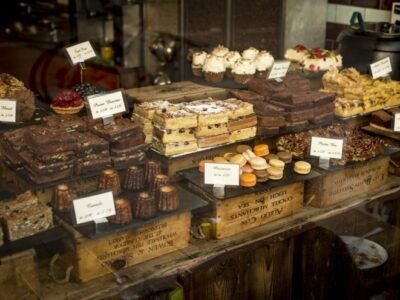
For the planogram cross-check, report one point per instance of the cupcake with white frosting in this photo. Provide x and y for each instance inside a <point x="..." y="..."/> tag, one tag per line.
<point x="220" y="50"/>
<point x="264" y="61"/>
<point x="214" y="68"/>
<point x="231" y="58"/>
<point x="250" y="53"/>
<point x="198" y="62"/>
<point x="243" y="71"/>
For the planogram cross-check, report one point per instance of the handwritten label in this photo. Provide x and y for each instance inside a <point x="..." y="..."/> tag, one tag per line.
<point x="106" y="105"/>
<point x="279" y="69"/>
<point x="8" y="110"/>
<point x="381" y="68"/>
<point x="396" y="122"/>
<point x="328" y="148"/>
<point x="223" y="174"/>
<point x="80" y="52"/>
<point x="94" y="207"/>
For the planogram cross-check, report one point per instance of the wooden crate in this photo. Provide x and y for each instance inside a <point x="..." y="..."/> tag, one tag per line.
<point x="171" y="165"/>
<point x="96" y="257"/>
<point x="237" y="214"/>
<point x="19" y="278"/>
<point x="335" y="186"/>
<point x="176" y="92"/>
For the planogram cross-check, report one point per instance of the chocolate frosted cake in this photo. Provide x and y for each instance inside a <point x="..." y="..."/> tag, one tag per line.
<point x="145" y="206"/>
<point x="123" y="211"/>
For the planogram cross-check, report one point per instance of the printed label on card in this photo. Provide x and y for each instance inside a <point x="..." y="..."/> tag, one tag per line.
<point x="94" y="207"/>
<point x="327" y="148"/>
<point x="279" y="69"/>
<point x="396" y="122"/>
<point x="8" y="110"/>
<point x="80" y="52"/>
<point x="221" y="174"/>
<point x="107" y="104"/>
<point x="381" y="68"/>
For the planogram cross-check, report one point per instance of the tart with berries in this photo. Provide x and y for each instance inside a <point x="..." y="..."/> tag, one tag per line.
<point x="67" y="102"/>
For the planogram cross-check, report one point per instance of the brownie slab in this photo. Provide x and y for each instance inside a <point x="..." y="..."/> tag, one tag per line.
<point x="37" y="167"/>
<point x="123" y="162"/>
<point x="83" y="166"/>
<point x="122" y="128"/>
<point x="89" y="143"/>
<point x="247" y="96"/>
<point x="68" y="123"/>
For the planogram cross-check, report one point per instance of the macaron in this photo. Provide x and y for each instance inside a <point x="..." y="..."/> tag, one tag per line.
<point x="220" y="160"/>
<point x="271" y="156"/>
<point x="285" y="156"/>
<point x="302" y="167"/>
<point x="258" y="163"/>
<point x="238" y="159"/>
<point x="247" y="169"/>
<point x="202" y="163"/>
<point x="276" y="163"/>
<point x="248" y="180"/>
<point x="241" y="148"/>
<point x="229" y="155"/>
<point x="248" y="154"/>
<point x="275" y="173"/>
<point x="261" y="150"/>
<point x="262" y="175"/>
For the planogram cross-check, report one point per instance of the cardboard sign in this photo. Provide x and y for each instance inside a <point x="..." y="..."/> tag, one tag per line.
<point x="94" y="207"/>
<point x="327" y="148"/>
<point x="8" y="110"/>
<point x="221" y="174"/>
<point x="106" y="105"/>
<point x="396" y="122"/>
<point x="80" y="52"/>
<point x="279" y="69"/>
<point x="381" y="68"/>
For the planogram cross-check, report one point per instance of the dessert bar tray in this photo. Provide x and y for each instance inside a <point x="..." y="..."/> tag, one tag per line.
<point x="364" y="113"/>
<point x="390" y="134"/>
<point x="388" y="152"/>
<point x="188" y="202"/>
<point x="39" y="239"/>
<point x="195" y="178"/>
<point x="201" y="149"/>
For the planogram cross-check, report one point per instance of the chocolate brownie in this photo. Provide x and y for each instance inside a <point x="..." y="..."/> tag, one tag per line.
<point x="271" y="121"/>
<point x="300" y="115"/>
<point x="37" y="167"/>
<point x="297" y="99"/>
<point x="292" y="107"/>
<point x="83" y="166"/>
<point x="122" y="128"/>
<point x="89" y="143"/>
<point x="129" y="142"/>
<point x="323" y="119"/>
<point x="16" y="138"/>
<point x="382" y="118"/>
<point x="10" y="154"/>
<point x="296" y="126"/>
<point x="68" y="123"/>
<point x="55" y="157"/>
<point x="125" y="161"/>
<point x="247" y="96"/>
<point x="267" y="131"/>
<point x="268" y="109"/>
<point x="265" y="88"/>
<point x="116" y="152"/>
<point x="320" y="98"/>
<point x="40" y="179"/>
<point x="327" y="108"/>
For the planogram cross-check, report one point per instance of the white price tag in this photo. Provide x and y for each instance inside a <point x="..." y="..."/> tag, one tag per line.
<point x="80" y="52"/>
<point x="94" y="207"/>
<point x="327" y="148"/>
<point x="279" y="69"/>
<point x="381" y="68"/>
<point x="396" y="122"/>
<point x="221" y="174"/>
<point x="106" y="105"/>
<point x="8" y="110"/>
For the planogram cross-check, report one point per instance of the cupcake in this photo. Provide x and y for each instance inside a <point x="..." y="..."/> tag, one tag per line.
<point x="243" y="71"/>
<point x="264" y="62"/>
<point x="198" y="62"/>
<point x="220" y="51"/>
<point x="230" y="59"/>
<point x="250" y="53"/>
<point x="214" y="68"/>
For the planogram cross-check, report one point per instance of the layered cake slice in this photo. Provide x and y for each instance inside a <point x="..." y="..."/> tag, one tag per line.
<point x="242" y="122"/>
<point x="175" y="120"/>
<point x="210" y="130"/>
<point x="147" y="109"/>
<point x="215" y="140"/>
<point x="171" y="136"/>
<point x="236" y="108"/>
<point x="208" y="112"/>
<point x="174" y="148"/>
<point x="242" y="134"/>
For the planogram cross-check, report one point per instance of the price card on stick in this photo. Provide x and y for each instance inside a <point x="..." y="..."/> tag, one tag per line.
<point x="220" y="175"/>
<point x="106" y="105"/>
<point x="396" y="122"/>
<point x="381" y="68"/>
<point x="80" y="52"/>
<point x="95" y="207"/>
<point x="325" y="149"/>
<point x="279" y="69"/>
<point x="8" y="110"/>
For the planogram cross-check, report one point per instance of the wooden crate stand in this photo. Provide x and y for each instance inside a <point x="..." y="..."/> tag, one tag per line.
<point x="334" y="187"/>
<point x="96" y="257"/>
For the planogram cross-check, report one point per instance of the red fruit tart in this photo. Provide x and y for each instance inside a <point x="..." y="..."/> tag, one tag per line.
<point x="67" y="102"/>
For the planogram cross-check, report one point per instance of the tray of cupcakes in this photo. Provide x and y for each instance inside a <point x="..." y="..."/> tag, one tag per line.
<point x="260" y="170"/>
<point x="142" y="195"/>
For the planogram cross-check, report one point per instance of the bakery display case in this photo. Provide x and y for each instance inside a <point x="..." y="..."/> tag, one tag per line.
<point x="268" y="169"/>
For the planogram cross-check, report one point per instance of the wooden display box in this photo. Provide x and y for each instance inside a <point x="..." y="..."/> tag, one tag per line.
<point x="95" y="257"/>
<point x="237" y="214"/>
<point x="335" y="186"/>
<point x="19" y="277"/>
